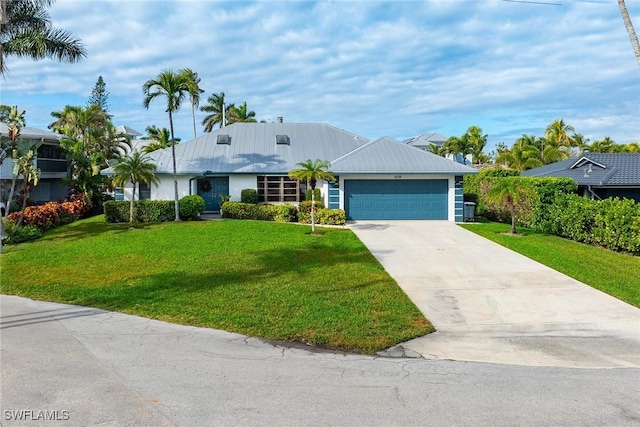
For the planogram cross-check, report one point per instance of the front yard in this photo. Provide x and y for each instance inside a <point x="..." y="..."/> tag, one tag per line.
<point x="261" y="279"/>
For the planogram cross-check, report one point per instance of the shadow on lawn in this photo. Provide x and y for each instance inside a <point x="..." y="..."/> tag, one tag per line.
<point x="82" y="230"/>
<point x="305" y="273"/>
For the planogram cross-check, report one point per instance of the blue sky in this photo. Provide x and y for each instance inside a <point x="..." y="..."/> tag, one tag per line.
<point x="390" y="68"/>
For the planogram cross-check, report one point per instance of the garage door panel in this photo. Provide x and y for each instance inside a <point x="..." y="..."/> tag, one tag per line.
<point x="402" y="199"/>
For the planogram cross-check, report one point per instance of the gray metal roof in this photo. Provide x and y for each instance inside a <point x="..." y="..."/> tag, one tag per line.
<point x="426" y="139"/>
<point x="31" y="133"/>
<point x="253" y="148"/>
<point x="598" y="169"/>
<point x="386" y="155"/>
<point x="126" y="130"/>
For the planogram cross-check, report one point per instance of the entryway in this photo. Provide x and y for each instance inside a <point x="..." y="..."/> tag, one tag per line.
<point x="210" y="189"/>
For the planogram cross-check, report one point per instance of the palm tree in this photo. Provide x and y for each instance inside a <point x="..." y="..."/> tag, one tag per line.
<point x="216" y="106"/>
<point x="134" y="169"/>
<point x="509" y="193"/>
<point x="557" y="135"/>
<point x="16" y="122"/>
<point x="241" y="115"/>
<point x="438" y="150"/>
<point x="477" y="142"/>
<point x="26" y="31"/>
<point x="173" y="86"/>
<point x="160" y="138"/>
<point x="629" y="26"/>
<point x="194" y="93"/>
<point x="312" y="171"/>
<point x="462" y="146"/>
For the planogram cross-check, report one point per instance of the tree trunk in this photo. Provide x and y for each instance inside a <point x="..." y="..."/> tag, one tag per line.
<point x="313" y="207"/>
<point x="193" y="116"/>
<point x="175" y="173"/>
<point x="25" y="196"/>
<point x="132" y="204"/>
<point x="513" y="221"/>
<point x="629" y="26"/>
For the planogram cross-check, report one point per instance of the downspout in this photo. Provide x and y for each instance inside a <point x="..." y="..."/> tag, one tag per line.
<point x="190" y="185"/>
<point x="594" y="196"/>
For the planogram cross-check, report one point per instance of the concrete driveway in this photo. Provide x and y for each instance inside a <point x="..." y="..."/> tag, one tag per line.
<point x="490" y="304"/>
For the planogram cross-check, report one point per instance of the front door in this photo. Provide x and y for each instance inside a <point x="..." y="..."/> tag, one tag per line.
<point x="210" y="189"/>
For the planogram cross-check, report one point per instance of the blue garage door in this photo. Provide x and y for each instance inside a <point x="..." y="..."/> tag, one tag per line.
<point x="396" y="199"/>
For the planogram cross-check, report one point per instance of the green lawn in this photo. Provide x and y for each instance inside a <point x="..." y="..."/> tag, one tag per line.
<point x="615" y="273"/>
<point x="261" y="279"/>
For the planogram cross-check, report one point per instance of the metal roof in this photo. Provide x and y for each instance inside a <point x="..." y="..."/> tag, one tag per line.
<point x="126" y="130"/>
<point x="598" y="169"/>
<point x="31" y="133"/>
<point x="426" y="139"/>
<point x="252" y="148"/>
<point x="386" y="155"/>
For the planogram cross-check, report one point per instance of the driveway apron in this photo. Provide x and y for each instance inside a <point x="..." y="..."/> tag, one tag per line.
<point x="490" y="304"/>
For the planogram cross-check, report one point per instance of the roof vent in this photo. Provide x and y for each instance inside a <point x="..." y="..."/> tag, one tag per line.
<point x="223" y="139"/>
<point x="282" y="140"/>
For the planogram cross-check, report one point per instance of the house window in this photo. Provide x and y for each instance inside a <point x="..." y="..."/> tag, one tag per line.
<point x="279" y="189"/>
<point x="144" y="191"/>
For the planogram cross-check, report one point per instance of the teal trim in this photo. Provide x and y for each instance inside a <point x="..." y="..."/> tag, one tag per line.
<point x="459" y="199"/>
<point x="334" y="194"/>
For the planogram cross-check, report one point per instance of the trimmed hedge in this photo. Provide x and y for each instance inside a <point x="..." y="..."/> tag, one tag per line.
<point x="50" y="215"/>
<point x="144" y="210"/>
<point x="324" y="216"/>
<point x="190" y="207"/>
<point x="266" y="212"/>
<point x="318" y="195"/>
<point x="249" y="195"/>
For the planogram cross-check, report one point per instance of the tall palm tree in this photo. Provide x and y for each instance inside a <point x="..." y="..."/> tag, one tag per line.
<point x="26" y="31"/>
<point x="216" y="106"/>
<point x="311" y="171"/>
<point x="241" y="114"/>
<point x="160" y="138"/>
<point x="194" y="90"/>
<point x="557" y="134"/>
<point x="134" y="169"/>
<point x="629" y="26"/>
<point x="477" y="142"/>
<point x="173" y="86"/>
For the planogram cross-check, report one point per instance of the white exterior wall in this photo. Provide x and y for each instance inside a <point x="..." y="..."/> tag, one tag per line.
<point x="451" y="203"/>
<point x="237" y="183"/>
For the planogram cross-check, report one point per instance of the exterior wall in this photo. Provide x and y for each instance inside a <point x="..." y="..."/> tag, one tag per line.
<point x="451" y="195"/>
<point x="237" y="183"/>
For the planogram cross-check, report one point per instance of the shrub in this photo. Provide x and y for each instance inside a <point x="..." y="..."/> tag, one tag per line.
<point x="331" y="216"/>
<point x="318" y="195"/>
<point x="617" y="224"/>
<point x="145" y="211"/>
<point x="304" y="211"/>
<point x="266" y="212"/>
<point x="25" y="233"/>
<point x="191" y="207"/>
<point x="249" y="195"/>
<point x="50" y="215"/>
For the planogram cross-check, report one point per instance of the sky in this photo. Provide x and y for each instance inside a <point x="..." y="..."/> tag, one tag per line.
<point x="387" y="68"/>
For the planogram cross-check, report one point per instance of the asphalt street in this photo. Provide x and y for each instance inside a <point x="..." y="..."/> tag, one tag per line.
<point x="90" y="367"/>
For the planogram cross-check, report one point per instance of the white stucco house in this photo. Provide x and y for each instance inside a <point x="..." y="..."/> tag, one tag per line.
<point x="376" y="179"/>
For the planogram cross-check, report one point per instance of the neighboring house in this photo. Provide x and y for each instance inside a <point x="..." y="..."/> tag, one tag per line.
<point x="599" y="175"/>
<point x="132" y="135"/>
<point x="425" y="140"/>
<point x="51" y="161"/>
<point x="379" y="179"/>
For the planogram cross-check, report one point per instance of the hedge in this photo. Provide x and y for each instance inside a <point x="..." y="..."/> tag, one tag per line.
<point x="266" y="212"/>
<point x="50" y="215"/>
<point x="249" y="195"/>
<point x="144" y="210"/>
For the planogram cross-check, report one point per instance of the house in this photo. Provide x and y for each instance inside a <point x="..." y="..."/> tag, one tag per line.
<point x="51" y="161"/>
<point x="598" y="175"/>
<point x="425" y="140"/>
<point x="377" y="179"/>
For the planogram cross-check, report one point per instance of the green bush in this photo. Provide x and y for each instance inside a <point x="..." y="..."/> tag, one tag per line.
<point x="304" y="211"/>
<point x="318" y="195"/>
<point x="471" y="184"/>
<point x="191" y="207"/>
<point x="249" y="195"/>
<point x="144" y="211"/>
<point x="330" y="217"/>
<point x="266" y="212"/>
<point x="570" y="216"/>
<point x="25" y="233"/>
<point x="617" y="224"/>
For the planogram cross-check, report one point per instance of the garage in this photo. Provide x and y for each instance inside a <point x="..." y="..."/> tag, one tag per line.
<point x="396" y="199"/>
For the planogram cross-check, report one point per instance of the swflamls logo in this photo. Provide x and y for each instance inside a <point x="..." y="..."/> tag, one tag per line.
<point x="35" y="415"/>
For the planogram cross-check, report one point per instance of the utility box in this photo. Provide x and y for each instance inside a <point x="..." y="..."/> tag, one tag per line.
<point x="469" y="212"/>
